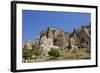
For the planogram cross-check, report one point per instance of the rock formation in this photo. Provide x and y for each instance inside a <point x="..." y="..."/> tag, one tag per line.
<point x="58" y="39"/>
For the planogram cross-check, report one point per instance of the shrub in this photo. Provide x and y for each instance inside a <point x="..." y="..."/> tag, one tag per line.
<point x="69" y="45"/>
<point x="54" y="53"/>
<point x="27" y="54"/>
<point x="37" y="52"/>
<point x="88" y="50"/>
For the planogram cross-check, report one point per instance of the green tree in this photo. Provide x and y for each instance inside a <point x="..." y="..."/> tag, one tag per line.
<point x="69" y="45"/>
<point x="54" y="53"/>
<point x="27" y="54"/>
<point x="37" y="52"/>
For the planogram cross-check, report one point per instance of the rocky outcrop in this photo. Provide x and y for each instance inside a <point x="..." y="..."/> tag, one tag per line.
<point x="58" y="39"/>
<point x="27" y="45"/>
<point x="82" y="37"/>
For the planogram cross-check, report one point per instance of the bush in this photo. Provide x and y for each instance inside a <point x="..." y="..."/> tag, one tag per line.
<point x="88" y="50"/>
<point x="54" y="53"/>
<point x="27" y="54"/>
<point x="37" y="52"/>
<point x="69" y="45"/>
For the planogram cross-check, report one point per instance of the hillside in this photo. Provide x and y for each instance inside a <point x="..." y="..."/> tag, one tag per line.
<point x="57" y="38"/>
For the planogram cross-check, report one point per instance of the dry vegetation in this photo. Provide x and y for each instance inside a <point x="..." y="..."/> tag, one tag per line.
<point x="76" y="54"/>
<point x="64" y="55"/>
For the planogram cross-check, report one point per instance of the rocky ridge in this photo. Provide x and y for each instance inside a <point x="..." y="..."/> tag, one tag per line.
<point x="58" y="39"/>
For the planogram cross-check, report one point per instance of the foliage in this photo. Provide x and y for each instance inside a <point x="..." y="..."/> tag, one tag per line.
<point x="27" y="54"/>
<point x="88" y="50"/>
<point x="69" y="45"/>
<point x="76" y="54"/>
<point x="37" y="51"/>
<point x="54" y="53"/>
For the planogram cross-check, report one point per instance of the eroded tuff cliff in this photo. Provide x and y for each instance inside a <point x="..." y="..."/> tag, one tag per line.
<point x="59" y="39"/>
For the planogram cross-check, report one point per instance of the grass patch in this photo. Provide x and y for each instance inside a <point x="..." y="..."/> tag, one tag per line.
<point x="76" y="54"/>
<point x="84" y="53"/>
